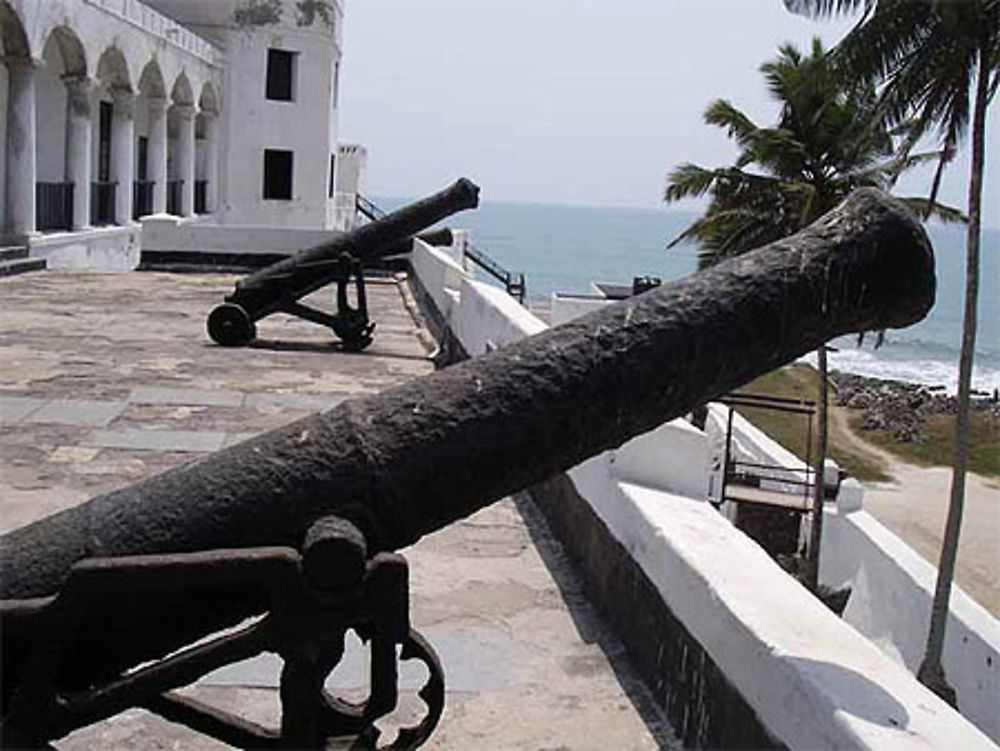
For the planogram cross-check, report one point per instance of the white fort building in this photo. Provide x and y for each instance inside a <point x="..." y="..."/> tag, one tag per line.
<point x="171" y="125"/>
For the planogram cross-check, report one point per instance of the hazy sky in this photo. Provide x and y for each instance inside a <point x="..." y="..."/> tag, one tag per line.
<point x="568" y="101"/>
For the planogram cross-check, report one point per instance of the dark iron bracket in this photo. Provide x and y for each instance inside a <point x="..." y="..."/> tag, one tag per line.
<point x="314" y="598"/>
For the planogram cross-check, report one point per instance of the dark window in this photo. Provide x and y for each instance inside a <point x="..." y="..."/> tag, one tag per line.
<point x="142" y="168"/>
<point x="280" y="75"/>
<point x="333" y="173"/>
<point x="106" y="112"/>
<point x="277" y="175"/>
<point x="336" y="84"/>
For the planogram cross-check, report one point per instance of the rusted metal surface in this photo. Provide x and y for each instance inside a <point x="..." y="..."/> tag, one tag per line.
<point x="279" y="287"/>
<point x="411" y="460"/>
<point x="305" y="622"/>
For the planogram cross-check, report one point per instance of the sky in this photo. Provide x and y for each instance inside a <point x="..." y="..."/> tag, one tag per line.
<point x="571" y="101"/>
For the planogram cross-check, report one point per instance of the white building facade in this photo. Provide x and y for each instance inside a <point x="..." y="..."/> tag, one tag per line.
<point x="164" y="118"/>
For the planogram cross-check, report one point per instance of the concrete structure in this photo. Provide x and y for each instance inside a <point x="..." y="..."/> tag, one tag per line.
<point x="115" y="110"/>
<point x="737" y="652"/>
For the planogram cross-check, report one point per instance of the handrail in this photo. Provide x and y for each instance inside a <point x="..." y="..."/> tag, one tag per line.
<point x="514" y="283"/>
<point x="368" y="208"/>
<point x="773" y="403"/>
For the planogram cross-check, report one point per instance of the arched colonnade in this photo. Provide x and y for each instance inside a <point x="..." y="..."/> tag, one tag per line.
<point x="101" y="133"/>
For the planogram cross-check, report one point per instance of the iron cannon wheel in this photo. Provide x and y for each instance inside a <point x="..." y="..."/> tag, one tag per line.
<point x="230" y="325"/>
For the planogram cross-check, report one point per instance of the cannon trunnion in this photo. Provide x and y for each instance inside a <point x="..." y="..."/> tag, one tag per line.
<point x="117" y="601"/>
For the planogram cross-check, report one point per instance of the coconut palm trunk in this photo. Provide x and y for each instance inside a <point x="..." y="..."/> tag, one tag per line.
<point x="816" y="530"/>
<point x="931" y="672"/>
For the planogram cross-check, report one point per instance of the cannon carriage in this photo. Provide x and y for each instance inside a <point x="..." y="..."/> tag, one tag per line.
<point x="279" y="288"/>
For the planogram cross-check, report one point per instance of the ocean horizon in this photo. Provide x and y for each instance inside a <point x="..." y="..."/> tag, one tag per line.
<point x="565" y="249"/>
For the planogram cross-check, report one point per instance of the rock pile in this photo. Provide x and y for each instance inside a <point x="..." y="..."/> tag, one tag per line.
<point x="897" y="407"/>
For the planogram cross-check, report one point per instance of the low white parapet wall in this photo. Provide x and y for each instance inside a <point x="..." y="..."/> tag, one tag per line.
<point x="567" y="307"/>
<point x="487" y="318"/>
<point x="440" y="275"/>
<point x="97" y="249"/>
<point x="892" y="586"/>
<point x="810" y="679"/>
<point x="892" y="590"/>
<point x="170" y="234"/>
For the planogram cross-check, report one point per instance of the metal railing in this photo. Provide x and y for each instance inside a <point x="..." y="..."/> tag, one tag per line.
<point x="201" y="196"/>
<point x="53" y="206"/>
<point x="741" y="479"/>
<point x="175" y="197"/>
<point x="513" y="283"/>
<point x="142" y="198"/>
<point x="102" y="203"/>
<point x="367" y="208"/>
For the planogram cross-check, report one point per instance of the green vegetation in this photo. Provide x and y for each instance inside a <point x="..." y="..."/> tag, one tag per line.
<point x="938" y="66"/>
<point x="799" y="382"/>
<point x="937" y="448"/>
<point x="828" y="141"/>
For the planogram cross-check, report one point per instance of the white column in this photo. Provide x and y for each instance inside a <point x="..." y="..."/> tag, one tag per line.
<point x="78" y="145"/>
<point x="211" y="163"/>
<point x="123" y="153"/>
<point x="158" y="153"/>
<point x="21" y="158"/>
<point x="186" y="157"/>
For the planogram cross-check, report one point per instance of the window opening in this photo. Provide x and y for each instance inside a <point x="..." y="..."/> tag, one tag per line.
<point x="277" y="175"/>
<point x="280" y="75"/>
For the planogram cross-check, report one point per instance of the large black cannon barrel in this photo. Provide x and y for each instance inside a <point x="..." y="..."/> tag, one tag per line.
<point x="267" y="290"/>
<point x="413" y="459"/>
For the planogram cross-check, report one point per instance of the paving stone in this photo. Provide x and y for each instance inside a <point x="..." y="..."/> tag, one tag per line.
<point x="77" y="412"/>
<point x="73" y="454"/>
<point x="189" y="397"/>
<point x="311" y="402"/>
<point x="16" y="408"/>
<point x="201" y="442"/>
<point x="233" y="438"/>
<point x="522" y="670"/>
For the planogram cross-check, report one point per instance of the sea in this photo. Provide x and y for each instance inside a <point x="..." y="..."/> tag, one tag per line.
<point x="567" y="248"/>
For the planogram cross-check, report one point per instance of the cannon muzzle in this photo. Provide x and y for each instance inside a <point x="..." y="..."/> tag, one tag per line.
<point x="411" y="460"/>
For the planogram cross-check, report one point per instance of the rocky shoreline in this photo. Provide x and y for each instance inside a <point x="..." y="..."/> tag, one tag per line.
<point x="898" y="407"/>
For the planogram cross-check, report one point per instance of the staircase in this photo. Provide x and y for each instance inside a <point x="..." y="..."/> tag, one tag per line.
<point x="14" y="260"/>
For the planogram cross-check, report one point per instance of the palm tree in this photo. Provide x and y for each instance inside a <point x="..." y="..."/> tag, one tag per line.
<point x="827" y="142"/>
<point x="928" y="55"/>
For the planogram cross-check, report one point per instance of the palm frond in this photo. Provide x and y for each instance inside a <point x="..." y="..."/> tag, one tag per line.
<point x="925" y="208"/>
<point x="819" y="8"/>
<point x="737" y="124"/>
<point x="688" y="181"/>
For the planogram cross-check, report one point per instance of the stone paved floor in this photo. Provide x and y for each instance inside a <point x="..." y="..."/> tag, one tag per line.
<point x="110" y="378"/>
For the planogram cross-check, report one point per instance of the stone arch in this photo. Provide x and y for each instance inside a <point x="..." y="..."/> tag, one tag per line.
<point x="71" y="50"/>
<point x="151" y="81"/>
<point x="112" y="70"/>
<point x="208" y="101"/>
<point x="12" y="33"/>
<point x="182" y="92"/>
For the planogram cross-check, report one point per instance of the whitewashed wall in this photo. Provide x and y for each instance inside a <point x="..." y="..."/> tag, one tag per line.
<point x="105" y="248"/>
<point x="812" y="679"/>
<point x="251" y="123"/>
<point x="170" y="233"/>
<point x="892" y="589"/>
<point x="567" y="307"/>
